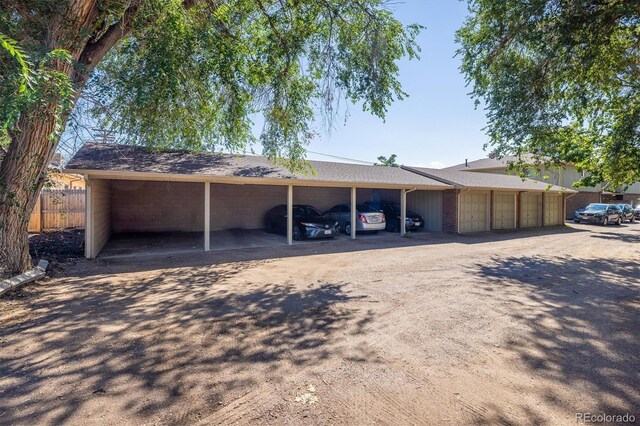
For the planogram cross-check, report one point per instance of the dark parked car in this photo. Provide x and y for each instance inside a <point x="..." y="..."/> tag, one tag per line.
<point x="308" y="222"/>
<point x="637" y="212"/>
<point x="391" y="210"/>
<point x="627" y="212"/>
<point x="603" y="214"/>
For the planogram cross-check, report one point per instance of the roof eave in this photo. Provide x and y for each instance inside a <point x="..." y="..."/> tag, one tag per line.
<point x="156" y="176"/>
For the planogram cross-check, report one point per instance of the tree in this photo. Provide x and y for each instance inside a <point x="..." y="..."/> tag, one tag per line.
<point x="388" y="162"/>
<point x="184" y="74"/>
<point x="561" y="80"/>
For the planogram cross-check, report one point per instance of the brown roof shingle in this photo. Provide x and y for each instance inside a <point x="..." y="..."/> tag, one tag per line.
<point x="96" y="157"/>
<point x="471" y="180"/>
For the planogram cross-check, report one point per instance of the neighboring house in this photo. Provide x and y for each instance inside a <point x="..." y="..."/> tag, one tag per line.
<point x="56" y="178"/>
<point x="564" y="177"/>
<point x="60" y="180"/>
<point x="131" y="190"/>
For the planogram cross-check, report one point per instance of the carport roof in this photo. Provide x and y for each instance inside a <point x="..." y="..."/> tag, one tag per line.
<point x="471" y="180"/>
<point x="129" y="162"/>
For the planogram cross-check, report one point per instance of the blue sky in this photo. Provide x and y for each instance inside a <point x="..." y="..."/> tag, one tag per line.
<point x="437" y="124"/>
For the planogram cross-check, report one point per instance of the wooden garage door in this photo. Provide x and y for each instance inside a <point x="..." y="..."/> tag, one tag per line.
<point x="530" y="205"/>
<point x="473" y="212"/>
<point x="504" y="210"/>
<point x="552" y="209"/>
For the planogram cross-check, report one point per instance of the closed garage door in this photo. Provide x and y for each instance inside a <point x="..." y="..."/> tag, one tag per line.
<point x="473" y="212"/>
<point x="552" y="209"/>
<point x="530" y="205"/>
<point x="504" y="210"/>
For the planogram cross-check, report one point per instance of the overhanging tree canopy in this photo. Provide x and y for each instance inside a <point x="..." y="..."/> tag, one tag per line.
<point x="560" y="79"/>
<point x="184" y="74"/>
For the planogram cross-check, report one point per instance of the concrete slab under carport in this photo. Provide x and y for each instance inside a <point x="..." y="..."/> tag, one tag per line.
<point x="184" y="243"/>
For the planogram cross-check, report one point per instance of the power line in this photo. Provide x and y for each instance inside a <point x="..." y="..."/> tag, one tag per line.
<point x="341" y="158"/>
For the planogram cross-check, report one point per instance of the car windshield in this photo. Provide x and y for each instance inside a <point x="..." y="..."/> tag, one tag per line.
<point x="596" y="207"/>
<point x="363" y="208"/>
<point x="305" y="211"/>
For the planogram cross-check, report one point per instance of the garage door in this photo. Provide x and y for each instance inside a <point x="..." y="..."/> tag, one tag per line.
<point x="552" y="209"/>
<point x="473" y="212"/>
<point x="504" y="210"/>
<point x="530" y="205"/>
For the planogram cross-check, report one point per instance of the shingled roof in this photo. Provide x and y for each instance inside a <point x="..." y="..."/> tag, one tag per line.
<point x="97" y="158"/>
<point x="470" y="180"/>
<point x="492" y="163"/>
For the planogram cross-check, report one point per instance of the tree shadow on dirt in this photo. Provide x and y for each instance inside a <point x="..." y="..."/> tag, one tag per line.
<point x="619" y="237"/>
<point x="583" y="319"/>
<point x="147" y="345"/>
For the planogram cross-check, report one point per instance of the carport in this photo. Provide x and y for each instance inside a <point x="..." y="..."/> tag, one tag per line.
<point x="133" y="191"/>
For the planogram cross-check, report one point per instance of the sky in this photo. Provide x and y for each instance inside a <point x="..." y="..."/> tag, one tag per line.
<point x="437" y="125"/>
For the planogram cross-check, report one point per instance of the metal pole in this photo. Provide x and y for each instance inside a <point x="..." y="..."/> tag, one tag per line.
<point x="290" y="215"/>
<point x="353" y="213"/>
<point x="207" y="216"/>
<point x="403" y="212"/>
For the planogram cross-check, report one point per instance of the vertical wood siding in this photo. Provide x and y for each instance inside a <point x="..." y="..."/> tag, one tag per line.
<point x="100" y="212"/>
<point x="427" y="204"/>
<point x="58" y="209"/>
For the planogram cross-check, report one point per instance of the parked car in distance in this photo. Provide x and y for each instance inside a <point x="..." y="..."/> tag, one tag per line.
<point x="637" y="212"/>
<point x="627" y="212"/>
<point x="603" y="214"/>
<point x="391" y="210"/>
<point x="308" y="222"/>
<point x="367" y="218"/>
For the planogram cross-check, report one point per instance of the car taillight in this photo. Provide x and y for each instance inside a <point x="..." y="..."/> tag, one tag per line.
<point x="362" y="218"/>
<point x="383" y="217"/>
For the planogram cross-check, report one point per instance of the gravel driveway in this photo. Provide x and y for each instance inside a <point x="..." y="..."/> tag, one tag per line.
<point x="523" y="328"/>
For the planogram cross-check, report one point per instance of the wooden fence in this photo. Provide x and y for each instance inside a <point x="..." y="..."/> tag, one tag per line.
<point x="58" y="209"/>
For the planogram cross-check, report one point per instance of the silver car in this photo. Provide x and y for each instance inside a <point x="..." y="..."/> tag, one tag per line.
<point x="367" y="218"/>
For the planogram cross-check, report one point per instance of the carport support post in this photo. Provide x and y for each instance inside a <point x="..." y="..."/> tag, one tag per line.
<point x="290" y="214"/>
<point x="353" y="213"/>
<point x="403" y="212"/>
<point x="207" y="216"/>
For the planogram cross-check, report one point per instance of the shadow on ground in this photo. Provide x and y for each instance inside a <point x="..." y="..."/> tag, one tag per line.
<point x="152" y="342"/>
<point x="583" y="318"/>
<point x="366" y="242"/>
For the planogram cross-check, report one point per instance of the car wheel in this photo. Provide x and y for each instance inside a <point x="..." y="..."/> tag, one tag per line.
<point x="347" y="229"/>
<point x="297" y="235"/>
<point x="619" y="221"/>
<point x="605" y="221"/>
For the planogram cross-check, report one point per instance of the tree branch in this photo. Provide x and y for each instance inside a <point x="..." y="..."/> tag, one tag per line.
<point x="95" y="50"/>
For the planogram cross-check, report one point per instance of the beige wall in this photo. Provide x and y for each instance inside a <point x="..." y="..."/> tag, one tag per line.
<point x="427" y="204"/>
<point x="99" y="212"/>
<point x="147" y="206"/>
<point x="321" y="198"/>
<point x="553" y="212"/>
<point x="243" y="206"/>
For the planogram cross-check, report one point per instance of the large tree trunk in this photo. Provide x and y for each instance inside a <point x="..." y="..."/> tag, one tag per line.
<point x="22" y="174"/>
<point x="34" y="139"/>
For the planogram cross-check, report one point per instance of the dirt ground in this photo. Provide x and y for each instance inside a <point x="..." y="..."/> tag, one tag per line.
<point x="57" y="246"/>
<point x="526" y="328"/>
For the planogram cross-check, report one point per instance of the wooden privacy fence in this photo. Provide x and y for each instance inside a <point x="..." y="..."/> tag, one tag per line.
<point x="58" y="209"/>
